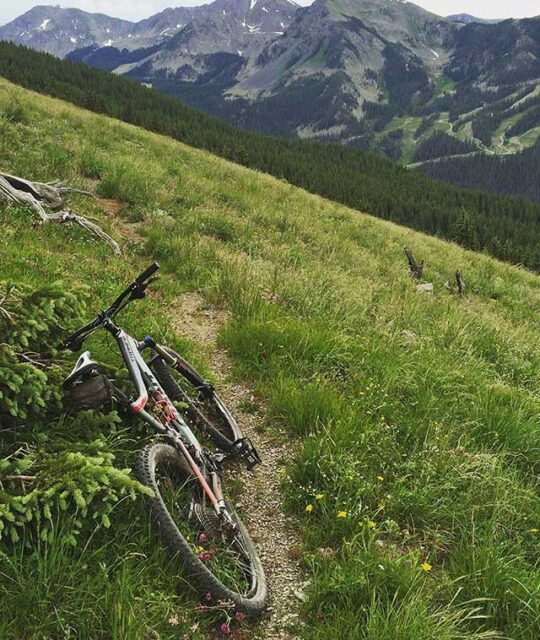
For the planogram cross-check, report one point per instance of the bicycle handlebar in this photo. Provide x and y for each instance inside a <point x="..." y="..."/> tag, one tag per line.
<point x="134" y="291"/>
<point x="147" y="273"/>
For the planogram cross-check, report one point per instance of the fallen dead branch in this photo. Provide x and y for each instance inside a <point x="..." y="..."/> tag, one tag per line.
<point x="41" y="195"/>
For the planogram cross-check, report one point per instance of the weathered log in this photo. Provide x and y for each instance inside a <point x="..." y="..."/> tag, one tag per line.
<point x="416" y="270"/>
<point x="39" y="195"/>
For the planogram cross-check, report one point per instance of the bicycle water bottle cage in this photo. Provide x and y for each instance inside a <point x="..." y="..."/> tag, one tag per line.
<point x="87" y="388"/>
<point x="244" y="451"/>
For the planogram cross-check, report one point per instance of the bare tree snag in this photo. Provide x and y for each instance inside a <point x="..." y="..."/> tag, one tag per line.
<point x="39" y="195"/>
<point x="416" y="270"/>
<point x="460" y="283"/>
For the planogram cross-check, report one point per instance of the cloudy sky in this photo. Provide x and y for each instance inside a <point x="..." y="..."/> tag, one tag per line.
<point x="138" y="9"/>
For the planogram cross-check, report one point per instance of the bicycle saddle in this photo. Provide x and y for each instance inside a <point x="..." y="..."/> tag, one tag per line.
<point x="84" y="366"/>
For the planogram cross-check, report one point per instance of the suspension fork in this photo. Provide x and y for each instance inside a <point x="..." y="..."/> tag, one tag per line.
<point x="214" y="492"/>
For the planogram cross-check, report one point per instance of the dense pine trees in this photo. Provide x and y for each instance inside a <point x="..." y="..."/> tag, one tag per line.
<point x="441" y="144"/>
<point x="508" y="227"/>
<point x="501" y="174"/>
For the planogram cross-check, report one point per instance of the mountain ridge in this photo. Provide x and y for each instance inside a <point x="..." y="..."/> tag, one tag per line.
<point x="359" y="72"/>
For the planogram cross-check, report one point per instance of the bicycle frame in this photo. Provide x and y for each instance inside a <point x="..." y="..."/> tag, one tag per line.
<point x="175" y="427"/>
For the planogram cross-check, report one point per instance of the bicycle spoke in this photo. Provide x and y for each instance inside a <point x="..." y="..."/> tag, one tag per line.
<point x="226" y="557"/>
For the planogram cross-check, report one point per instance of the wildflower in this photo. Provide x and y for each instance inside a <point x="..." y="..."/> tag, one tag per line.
<point x="309" y="508"/>
<point x="380" y="478"/>
<point x="371" y="524"/>
<point x="425" y="566"/>
<point x="206" y="556"/>
<point x="281" y="470"/>
<point x="381" y="505"/>
<point x="239" y="616"/>
<point x="203" y="538"/>
<point x="199" y="549"/>
<point x="208" y="596"/>
<point x="225" y="629"/>
<point x="319" y="496"/>
<point x="174" y="621"/>
<point x="342" y="514"/>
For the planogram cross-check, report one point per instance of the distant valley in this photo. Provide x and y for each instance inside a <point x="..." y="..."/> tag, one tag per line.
<point x="383" y="75"/>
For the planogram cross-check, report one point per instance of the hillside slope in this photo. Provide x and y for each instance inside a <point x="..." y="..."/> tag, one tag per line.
<point x="416" y="479"/>
<point x="508" y="227"/>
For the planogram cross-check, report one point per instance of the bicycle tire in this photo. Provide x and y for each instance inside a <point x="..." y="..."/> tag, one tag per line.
<point x="205" y="409"/>
<point x="253" y="601"/>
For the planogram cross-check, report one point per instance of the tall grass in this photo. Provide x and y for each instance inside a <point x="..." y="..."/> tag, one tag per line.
<point x="417" y="415"/>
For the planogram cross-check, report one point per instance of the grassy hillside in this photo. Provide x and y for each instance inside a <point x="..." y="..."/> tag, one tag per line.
<point x="416" y="415"/>
<point x="506" y="227"/>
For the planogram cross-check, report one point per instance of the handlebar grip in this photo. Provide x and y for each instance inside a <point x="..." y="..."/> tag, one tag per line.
<point x="147" y="273"/>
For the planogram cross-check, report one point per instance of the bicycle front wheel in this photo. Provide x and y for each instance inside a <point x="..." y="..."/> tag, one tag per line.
<point x="199" y="404"/>
<point x="220" y="559"/>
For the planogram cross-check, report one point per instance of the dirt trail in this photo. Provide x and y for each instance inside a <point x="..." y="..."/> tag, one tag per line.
<point x="261" y="502"/>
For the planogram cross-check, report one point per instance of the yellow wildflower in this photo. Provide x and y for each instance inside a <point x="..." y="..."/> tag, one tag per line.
<point x="371" y="524"/>
<point x="342" y="514"/>
<point x="319" y="496"/>
<point x="309" y="508"/>
<point x="282" y="470"/>
<point x="426" y="566"/>
<point x="380" y="478"/>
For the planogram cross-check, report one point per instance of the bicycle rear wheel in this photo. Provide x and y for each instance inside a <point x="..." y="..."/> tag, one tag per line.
<point x="221" y="560"/>
<point x="199" y="404"/>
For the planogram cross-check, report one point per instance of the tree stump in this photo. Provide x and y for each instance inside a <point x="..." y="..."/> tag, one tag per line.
<point x="460" y="282"/>
<point x="416" y="270"/>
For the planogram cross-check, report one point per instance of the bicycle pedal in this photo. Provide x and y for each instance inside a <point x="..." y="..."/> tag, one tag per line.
<point x="244" y="451"/>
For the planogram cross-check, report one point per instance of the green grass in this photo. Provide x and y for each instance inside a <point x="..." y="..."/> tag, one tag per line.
<point x="443" y="85"/>
<point x="417" y="415"/>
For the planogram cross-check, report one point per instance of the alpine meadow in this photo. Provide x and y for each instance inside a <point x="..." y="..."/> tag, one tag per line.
<point x="410" y="415"/>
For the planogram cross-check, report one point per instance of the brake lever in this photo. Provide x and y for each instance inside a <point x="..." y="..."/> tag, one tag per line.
<point x="139" y="291"/>
<point x="71" y="345"/>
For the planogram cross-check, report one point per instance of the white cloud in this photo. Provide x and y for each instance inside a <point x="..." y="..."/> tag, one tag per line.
<point x="138" y="9"/>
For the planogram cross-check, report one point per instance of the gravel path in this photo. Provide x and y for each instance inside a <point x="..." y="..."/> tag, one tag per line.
<point x="260" y="502"/>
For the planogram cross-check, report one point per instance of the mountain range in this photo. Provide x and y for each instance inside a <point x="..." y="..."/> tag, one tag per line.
<point x="376" y="74"/>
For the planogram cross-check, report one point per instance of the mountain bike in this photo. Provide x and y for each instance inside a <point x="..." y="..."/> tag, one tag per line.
<point x="195" y="520"/>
